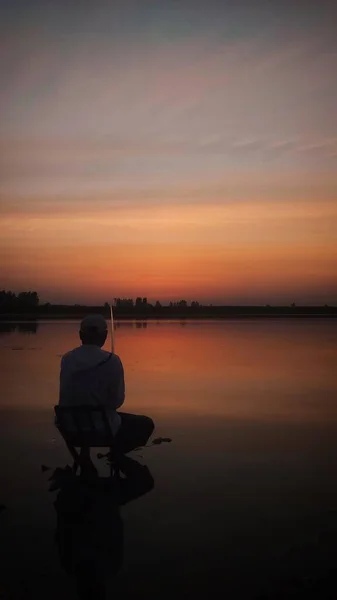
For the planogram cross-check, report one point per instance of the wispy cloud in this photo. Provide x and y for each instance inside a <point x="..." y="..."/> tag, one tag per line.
<point x="110" y="116"/>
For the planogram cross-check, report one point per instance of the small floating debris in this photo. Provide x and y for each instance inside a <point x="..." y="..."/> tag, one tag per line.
<point x="160" y="440"/>
<point x="155" y="442"/>
<point x="100" y="455"/>
<point x="17" y="347"/>
<point x="44" y="468"/>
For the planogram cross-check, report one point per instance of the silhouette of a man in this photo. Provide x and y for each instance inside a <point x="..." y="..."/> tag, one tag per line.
<point x="92" y="376"/>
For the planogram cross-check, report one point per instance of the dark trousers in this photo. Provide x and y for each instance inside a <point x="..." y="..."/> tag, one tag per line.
<point x="134" y="432"/>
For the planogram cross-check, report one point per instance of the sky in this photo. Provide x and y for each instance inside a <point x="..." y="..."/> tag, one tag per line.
<point x="169" y="149"/>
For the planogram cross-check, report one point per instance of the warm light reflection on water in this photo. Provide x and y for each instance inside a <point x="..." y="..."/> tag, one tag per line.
<point x="251" y="410"/>
<point x="236" y="369"/>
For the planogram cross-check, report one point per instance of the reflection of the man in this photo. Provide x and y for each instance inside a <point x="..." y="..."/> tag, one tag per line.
<point x="89" y="532"/>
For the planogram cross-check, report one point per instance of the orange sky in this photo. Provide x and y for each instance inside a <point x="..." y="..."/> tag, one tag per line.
<point x="238" y="252"/>
<point x="169" y="153"/>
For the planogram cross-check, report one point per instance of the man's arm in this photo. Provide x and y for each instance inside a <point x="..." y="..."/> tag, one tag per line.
<point x="61" y="380"/>
<point x="117" y="383"/>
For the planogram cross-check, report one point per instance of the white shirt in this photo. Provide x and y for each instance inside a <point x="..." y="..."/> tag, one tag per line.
<point x="90" y="375"/>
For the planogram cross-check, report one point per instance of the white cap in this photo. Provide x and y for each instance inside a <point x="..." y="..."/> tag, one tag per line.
<point x="94" y="323"/>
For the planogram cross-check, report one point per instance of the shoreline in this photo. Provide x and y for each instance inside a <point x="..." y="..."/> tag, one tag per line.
<point x="21" y="317"/>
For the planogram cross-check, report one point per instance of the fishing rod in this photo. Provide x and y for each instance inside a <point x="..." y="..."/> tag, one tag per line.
<point x="112" y="330"/>
<point x="156" y="441"/>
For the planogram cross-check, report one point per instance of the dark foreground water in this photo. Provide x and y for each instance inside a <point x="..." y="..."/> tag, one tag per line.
<point x="241" y="504"/>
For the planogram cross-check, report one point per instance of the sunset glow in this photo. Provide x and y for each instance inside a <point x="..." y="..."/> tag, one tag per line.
<point x="153" y="150"/>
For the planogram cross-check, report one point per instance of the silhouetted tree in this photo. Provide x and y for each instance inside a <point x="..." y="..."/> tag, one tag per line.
<point x="139" y="302"/>
<point x="8" y="301"/>
<point x="157" y="305"/>
<point x="124" y="302"/>
<point x="28" y="300"/>
<point x="24" y="301"/>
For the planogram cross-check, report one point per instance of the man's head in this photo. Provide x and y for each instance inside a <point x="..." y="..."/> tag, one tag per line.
<point x="94" y="330"/>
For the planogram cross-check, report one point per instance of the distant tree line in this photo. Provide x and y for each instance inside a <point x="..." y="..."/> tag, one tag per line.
<point x="184" y="304"/>
<point x="11" y="302"/>
<point x="142" y="303"/>
<point x="129" y="302"/>
<point x="28" y="304"/>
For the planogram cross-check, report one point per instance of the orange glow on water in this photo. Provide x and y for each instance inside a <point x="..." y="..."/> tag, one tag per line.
<point x="246" y="370"/>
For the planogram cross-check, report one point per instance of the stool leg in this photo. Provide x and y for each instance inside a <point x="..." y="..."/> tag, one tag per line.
<point x="111" y="457"/>
<point x="114" y="468"/>
<point x="75" y="456"/>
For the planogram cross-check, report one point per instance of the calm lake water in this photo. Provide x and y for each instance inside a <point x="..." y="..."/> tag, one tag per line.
<point x="244" y="498"/>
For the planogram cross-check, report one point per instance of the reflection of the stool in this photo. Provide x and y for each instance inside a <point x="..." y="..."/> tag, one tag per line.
<point x="89" y="532"/>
